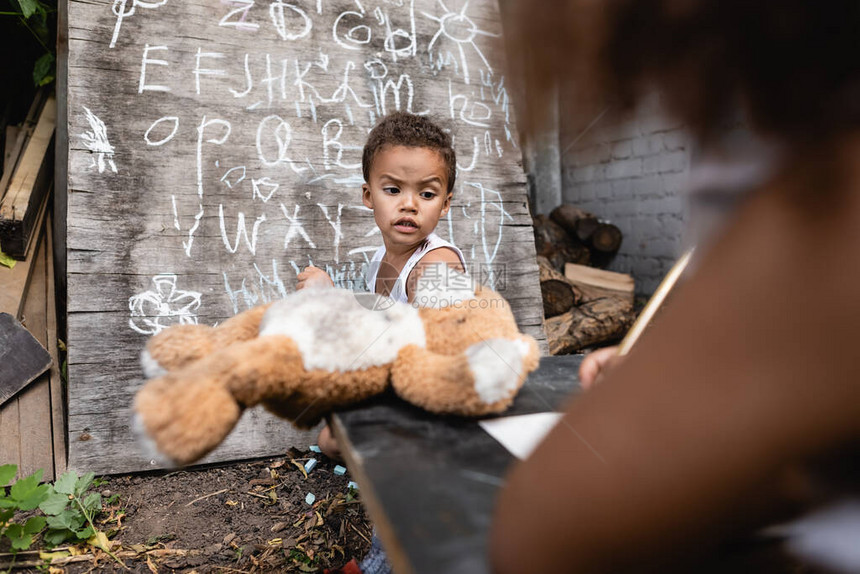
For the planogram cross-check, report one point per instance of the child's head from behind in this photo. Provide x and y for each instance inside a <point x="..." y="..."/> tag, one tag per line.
<point x="409" y="169"/>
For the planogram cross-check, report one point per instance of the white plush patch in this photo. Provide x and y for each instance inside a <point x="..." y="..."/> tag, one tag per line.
<point x="151" y="367"/>
<point x="442" y="286"/>
<point x="155" y="456"/>
<point x="496" y="365"/>
<point x="339" y="330"/>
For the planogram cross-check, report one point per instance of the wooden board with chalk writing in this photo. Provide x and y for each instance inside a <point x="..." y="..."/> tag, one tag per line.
<point x="215" y="151"/>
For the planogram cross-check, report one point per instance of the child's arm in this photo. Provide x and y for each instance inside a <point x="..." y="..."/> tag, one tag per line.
<point x="313" y="277"/>
<point x="429" y="264"/>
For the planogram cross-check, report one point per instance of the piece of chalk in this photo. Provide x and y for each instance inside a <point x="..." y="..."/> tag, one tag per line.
<point x="310" y="498"/>
<point x="339" y="470"/>
<point x="310" y="465"/>
<point x="315" y="448"/>
<point x="352" y="484"/>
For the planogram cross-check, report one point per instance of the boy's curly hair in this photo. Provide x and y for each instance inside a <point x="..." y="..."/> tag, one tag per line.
<point x="409" y="130"/>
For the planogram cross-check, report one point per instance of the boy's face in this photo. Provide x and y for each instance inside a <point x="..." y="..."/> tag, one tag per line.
<point x="408" y="192"/>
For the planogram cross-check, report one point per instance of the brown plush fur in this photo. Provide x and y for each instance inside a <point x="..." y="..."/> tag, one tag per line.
<point x="214" y="373"/>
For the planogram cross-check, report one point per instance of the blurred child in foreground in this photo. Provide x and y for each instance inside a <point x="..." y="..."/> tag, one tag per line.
<point x="714" y="424"/>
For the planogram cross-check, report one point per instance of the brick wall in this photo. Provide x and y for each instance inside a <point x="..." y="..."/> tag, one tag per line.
<point x="633" y="175"/>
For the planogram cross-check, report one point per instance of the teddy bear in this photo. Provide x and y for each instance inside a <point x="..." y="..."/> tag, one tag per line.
<point x="321" y="349"/>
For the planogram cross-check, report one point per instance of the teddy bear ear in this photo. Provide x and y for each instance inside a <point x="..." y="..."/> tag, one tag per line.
<point x="441" y="286"/>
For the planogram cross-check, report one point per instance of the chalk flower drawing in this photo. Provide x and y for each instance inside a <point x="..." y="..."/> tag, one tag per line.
<point x="97" y="142"/>
<point x="153" y="311"/>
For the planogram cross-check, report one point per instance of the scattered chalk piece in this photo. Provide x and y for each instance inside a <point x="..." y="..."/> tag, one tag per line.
<point x="310" y="498"/>
<point x="315" y="448"/>
<point x="352" y="484"/>
<point x="310" y="465"/>
<point x="339" y="470"/>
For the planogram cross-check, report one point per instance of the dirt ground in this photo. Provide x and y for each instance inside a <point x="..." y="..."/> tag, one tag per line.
<point x="243" y="517"/>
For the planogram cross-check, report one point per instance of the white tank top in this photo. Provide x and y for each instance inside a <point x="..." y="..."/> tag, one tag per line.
<point x="398" y="292"/>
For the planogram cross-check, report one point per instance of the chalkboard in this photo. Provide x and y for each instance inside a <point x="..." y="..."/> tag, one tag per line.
<point x="215" y="150"/>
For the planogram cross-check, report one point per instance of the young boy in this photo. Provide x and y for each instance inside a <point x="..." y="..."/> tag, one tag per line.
<point x="409" y="169"/>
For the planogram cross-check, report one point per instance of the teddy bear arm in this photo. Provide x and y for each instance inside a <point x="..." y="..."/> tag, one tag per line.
<point x="241" y="327"/>
<point x="181" y="345"/>
<point x="176" y="347"/>
<point x="482" y="380"/>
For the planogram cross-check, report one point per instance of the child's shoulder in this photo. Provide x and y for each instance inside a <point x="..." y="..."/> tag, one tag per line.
<point x="441" y="254"/>
<point x="437" y="250"/>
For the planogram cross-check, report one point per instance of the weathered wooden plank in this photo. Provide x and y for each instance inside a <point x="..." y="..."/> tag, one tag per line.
<point x="10" y="434"/>
<point x="58" y="404"/>
<point x="15" y="145"/>
<point x="215" y="150"/>
<point x="34" y="403"/>
<point x="431" y="482"/>
<point x="14" y="282"/>
<point x="29" y="185"/>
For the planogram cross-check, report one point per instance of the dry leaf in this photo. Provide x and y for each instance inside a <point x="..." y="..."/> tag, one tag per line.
<point x="301" y="467"/>
<point x="150" y="565"/>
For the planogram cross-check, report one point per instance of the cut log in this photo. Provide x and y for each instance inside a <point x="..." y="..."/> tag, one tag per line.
<point x="553" y="242"/>
<point x="606" y="238"/>
<point x="559" y="294"/>
<point x="604" y="243"/>
<point x="599" y="321"/>
<point x="577" y="222"/>
<point x="598" y="283"/>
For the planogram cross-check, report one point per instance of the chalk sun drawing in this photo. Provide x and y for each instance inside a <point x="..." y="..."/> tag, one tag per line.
<point x="155" y="310"/>
<point x="97" y="142"/>
<point x="461" y="30"/>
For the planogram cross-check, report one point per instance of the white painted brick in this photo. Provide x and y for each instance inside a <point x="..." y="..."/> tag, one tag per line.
<point x="675" y="183"/>
<point x="622" y="188"/>
<point x="647" y="267"/>
<point x="648" y="187"/>
<point x="673" y="162"/>
<point x="667" y="246"/>
<point x="639" y="146"/>
<point x="624" y="168"/>
<point x="605" y="190"/>
<point x="583" y="192"/>
<point x="585" y="174"/>
<point x="625" y="209"/>
<point x="676" y="140"/>
<point x="651" y="164"/>
<point x="622" y="150"/>
<point x="653" y="207"/>
<point x="648" y="145"/>
<point x="645" y="228"/>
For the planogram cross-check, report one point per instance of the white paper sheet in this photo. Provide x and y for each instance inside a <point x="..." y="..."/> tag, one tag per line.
<point x="521" y="434"/>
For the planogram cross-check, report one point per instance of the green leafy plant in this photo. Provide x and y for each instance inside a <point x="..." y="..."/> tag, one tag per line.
<point x="25" y="494"/>
<point x="33" y="15"/>
<point x="71" y="509"/>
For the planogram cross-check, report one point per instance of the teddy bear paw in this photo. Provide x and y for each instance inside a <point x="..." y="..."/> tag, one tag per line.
<point x="497" y="366"/>
<point x="148" y="446"/>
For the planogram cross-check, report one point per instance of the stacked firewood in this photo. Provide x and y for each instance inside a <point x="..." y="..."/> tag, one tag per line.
<point x="584" y="305"/>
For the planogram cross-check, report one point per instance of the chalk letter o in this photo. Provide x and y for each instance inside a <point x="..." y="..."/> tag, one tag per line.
<point x="169" y="137"/>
